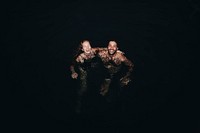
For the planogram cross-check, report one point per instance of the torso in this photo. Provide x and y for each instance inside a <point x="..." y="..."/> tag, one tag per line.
<point x="89" y="60"/>
<point x="112" y="63"/>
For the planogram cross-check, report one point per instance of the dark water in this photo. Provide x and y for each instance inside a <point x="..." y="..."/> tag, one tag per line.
<point x="160" y="37"/>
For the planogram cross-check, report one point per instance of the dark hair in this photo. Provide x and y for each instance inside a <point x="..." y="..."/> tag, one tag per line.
<point x="113" y="41"/>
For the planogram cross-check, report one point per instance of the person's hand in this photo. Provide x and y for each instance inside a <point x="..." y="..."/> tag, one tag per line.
<point x="124" y="81"/>
<point x="80" y="59"/>
<point x="74" y="75"/>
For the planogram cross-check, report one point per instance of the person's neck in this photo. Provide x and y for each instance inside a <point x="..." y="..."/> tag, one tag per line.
<point x="112" y="55"/>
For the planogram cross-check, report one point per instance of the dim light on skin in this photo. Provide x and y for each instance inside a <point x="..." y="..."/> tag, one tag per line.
<point x="112" y="47"/>
<point x="85" y="55"/>
<point x="86" y="47"/>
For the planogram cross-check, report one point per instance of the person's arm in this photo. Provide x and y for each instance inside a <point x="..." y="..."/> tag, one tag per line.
<point x="77" y="61"/>
<point x="126" y="78"/>
<point x="81" y="58"/>
<point x="74" y="74"/>
<point x="97" y="49"/>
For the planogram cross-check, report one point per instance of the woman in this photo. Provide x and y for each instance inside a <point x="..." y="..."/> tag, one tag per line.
<point x="85" y="68"/>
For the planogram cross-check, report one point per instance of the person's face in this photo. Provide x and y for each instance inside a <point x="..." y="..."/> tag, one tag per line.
<point x="86" y="47"/>
<point x="112" y="47"/>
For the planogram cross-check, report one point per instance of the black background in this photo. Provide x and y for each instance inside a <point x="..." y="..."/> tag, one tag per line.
<point x="160" y="37"/>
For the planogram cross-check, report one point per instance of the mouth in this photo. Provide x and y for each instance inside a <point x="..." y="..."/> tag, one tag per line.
<point x="111" y="51"/>
<point x="87" y="50"/>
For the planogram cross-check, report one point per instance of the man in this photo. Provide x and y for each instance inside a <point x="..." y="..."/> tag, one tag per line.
<point x="113" y="61"/>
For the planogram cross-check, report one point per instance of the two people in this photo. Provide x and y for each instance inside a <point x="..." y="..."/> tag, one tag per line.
<point x="112" y="60"/>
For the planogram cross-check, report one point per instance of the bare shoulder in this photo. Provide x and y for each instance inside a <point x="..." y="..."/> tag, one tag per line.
<point x="121" y="55"/>
<point x="103" y="52"/>
<point x="82" y="54"/>
<point x="120" y="52"/>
